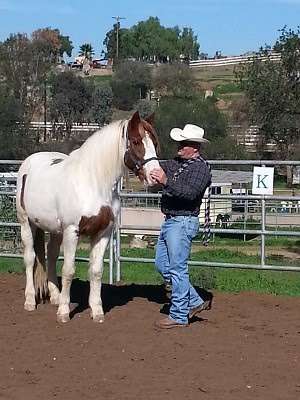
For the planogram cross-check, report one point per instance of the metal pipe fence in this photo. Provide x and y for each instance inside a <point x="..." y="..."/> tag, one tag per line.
<point x="263" y="205"/>
<point x="263" y="232"/>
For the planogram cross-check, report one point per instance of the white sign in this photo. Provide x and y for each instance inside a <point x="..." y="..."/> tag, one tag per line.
<point x="263" y="178"/>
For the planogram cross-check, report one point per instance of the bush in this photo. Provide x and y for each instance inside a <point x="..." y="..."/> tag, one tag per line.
<point x="178" y="111"/>
<point x="101" y="109"/>
<point x="131" y="82"/>
<point x="145" y="107"/>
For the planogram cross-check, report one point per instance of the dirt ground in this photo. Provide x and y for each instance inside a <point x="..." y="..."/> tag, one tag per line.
<point x="246" y="347"/>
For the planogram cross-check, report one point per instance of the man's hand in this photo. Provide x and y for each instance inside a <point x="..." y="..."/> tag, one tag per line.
<point x="158" y="175"/>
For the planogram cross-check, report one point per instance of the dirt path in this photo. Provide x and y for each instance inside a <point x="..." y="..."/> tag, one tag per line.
<point x="246" y="347"/>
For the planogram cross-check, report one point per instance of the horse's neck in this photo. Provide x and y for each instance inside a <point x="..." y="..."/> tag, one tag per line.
<point x="101" y="159"/>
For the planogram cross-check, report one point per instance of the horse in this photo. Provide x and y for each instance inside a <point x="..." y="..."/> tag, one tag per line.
<point x="223" y="220"/>
<point x="72" y="195"/>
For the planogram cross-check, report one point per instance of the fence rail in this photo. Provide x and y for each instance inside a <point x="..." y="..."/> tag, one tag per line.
<point x="115" y="259"/>
<point x="234" y="60"/>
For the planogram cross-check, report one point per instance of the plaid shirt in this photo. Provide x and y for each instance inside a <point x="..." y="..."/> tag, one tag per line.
<point x="184" y="195"/>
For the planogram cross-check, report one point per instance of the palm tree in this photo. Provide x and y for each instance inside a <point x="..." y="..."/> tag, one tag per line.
<point x="86" y="50"/>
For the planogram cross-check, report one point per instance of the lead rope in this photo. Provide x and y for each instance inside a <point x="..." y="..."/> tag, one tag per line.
<point x="183" y="167"/>
<point x="207" y="221"/>
<point x="206" y="227"/>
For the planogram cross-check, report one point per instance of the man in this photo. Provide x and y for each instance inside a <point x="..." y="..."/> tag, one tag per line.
<point x="184" y="181"/>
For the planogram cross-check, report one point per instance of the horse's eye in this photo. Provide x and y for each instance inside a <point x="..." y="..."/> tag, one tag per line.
<point x="136" y="142"/>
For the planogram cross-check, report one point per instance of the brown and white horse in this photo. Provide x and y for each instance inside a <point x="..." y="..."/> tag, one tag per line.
<point x="72" y="195"/>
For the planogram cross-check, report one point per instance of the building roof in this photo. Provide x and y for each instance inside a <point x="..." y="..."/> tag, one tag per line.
<point x="222" y="177"/>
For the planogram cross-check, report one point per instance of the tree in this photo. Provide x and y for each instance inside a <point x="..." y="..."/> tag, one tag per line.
<point x="48" y="41"/>
<point x="87" y="51"/>
<point x="14" y="142"/>
<point x="173" y="79"/>
<point x="145" y="107"/>
<point x="66" y="45"/>
<point x="25" y="64"/>
<point x="273" y="90"/>
<point x="101" y="108"/>
<point x="71" y="99"/>
<point x="15" y="56"/>
<point x="131" y="82"/>
<point x="110" y="42"/>
<point x="150" y="41"/>
<point x="57" y="44"/>
<point x="177" y="112"/>
<point x="189" y="45"/>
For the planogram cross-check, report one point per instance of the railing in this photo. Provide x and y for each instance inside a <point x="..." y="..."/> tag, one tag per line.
<point x="263" y="232"/>
<point x="234" y="60"/>
<point x="266" y="204"/>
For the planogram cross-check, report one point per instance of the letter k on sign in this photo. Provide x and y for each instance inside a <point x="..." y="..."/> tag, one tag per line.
<point x="260" y="182"/>
<point x="263" y="178"/>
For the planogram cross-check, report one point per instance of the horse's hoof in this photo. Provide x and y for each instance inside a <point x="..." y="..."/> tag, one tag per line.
<point x="29" y="307"/>
<point x="99" y="318"/>
<point x="63" y="318"/>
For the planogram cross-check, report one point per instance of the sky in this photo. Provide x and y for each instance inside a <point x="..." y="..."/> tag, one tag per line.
<point x="230" y="26"/>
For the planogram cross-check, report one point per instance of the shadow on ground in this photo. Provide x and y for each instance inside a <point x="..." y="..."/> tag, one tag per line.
<point x="119" y="295"/>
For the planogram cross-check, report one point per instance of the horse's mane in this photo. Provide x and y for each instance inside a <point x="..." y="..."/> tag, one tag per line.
<point x="102" y="151"/>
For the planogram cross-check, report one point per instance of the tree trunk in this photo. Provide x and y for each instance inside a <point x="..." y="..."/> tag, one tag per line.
<point x="289" y="176"/>
<point x="68" y="129"/>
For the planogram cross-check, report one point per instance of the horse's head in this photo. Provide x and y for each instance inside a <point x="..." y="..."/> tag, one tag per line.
<point x="142" y="147"/>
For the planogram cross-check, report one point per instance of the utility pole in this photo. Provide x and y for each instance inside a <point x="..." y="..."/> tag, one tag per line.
<point x="45" y="110"/>
<point x="117" y="18"/>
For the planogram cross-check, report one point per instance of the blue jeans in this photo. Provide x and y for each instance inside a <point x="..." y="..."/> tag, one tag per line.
<point x="172" y="254"/>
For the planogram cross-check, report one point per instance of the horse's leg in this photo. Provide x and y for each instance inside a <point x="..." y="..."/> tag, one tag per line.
<point x="70" y="239"/>
<point x="98" y="247"/>
<point x="52" y="255"/>
<point x="27" y="235"/>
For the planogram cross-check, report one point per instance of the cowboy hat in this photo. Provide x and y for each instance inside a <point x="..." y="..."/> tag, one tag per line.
<point x="191" y="133"/>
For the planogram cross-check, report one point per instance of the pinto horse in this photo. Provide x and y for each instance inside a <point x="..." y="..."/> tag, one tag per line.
<point x="72" y="195"/>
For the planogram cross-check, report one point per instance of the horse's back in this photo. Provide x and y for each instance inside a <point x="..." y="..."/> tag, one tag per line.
<point x="34" y="191"/>
<point x="40" y="160"/>
<point x="35" y="165"/>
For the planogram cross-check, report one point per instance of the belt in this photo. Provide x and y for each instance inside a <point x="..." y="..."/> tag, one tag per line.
<point x="168" y="216"/>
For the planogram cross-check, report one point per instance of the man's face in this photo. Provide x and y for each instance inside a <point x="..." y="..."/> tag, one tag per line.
<point x="188" y="149"/>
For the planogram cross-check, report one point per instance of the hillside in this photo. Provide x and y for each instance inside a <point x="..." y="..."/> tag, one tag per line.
<point x="219" y="79"/>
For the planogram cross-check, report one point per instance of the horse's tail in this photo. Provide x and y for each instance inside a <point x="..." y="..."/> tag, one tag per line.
<point x="40" y="274"/>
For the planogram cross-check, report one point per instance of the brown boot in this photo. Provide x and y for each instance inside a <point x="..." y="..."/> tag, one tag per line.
<point x="169" y="323"/>
<point x="197" y="310"/>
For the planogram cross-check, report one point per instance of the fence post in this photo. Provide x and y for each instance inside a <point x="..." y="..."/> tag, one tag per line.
<point x="245" y="217"/>
<point x="118" y="236"/>
<point x="263" y="229"/>
<point x="111" y="258"/>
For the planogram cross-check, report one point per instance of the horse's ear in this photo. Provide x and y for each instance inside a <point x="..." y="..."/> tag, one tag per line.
<point x="135" y="119"/>
<point x="133" y="125"/>
<point x="150" y="119"/>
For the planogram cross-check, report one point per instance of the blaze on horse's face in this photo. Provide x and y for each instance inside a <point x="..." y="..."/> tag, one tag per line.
<point x="142" y="147"/>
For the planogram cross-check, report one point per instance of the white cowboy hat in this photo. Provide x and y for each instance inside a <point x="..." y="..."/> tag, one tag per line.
<point x="191" y="133"/>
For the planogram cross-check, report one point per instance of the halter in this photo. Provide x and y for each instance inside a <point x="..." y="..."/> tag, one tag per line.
<point x="128" y="156"/>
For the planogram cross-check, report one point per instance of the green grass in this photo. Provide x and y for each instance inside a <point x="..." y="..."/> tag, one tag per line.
<point x="100" y="79"/>
<point x="270" y="282"/>
<point x="11" y="265"/>
<point x="214" y="73"/>
<point x="227" y="88"/>
<point x="222" y="279"/>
